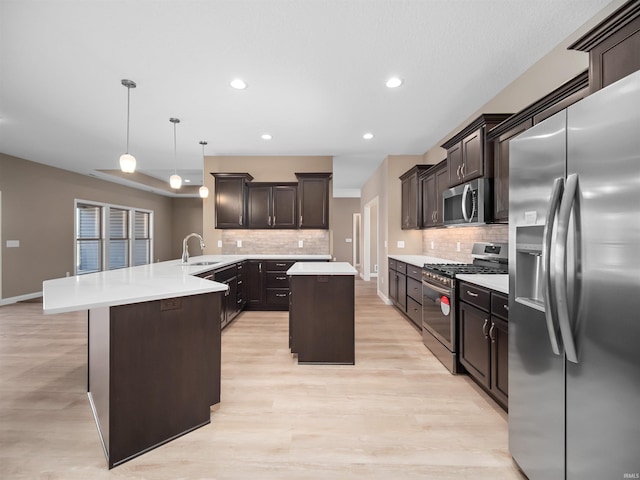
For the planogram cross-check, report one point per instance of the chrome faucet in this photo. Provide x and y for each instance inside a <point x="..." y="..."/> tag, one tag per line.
<point x="185" y="248"/>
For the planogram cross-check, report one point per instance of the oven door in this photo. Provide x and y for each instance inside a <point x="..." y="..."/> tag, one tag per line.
<point x="438" y="313"/>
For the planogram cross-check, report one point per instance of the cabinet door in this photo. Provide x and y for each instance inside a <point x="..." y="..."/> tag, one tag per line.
<point x="429" y="200"/>
<point x="402" y="292"/>
<point x="256" y="288"/>
<point x="474" y="342"/>
<point x="405" y="204"/>
<point x="313" y="202"/>
<point x="454" y="163"/>
<point x="499" y="335"/>
<point x="284" y="206"/>
<point x="259" y="207"/>
<point x="230" y="193"/>
<point x="473" y="155"/>
<point x="442" y="182"/>
<point x="501" y="172"/>
<point x="393" y="286"/>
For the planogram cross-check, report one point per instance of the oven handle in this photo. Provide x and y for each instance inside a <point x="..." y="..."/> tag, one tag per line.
<point x="443" y="291"/>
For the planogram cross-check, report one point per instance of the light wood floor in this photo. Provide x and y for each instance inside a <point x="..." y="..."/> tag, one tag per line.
<point x="396" y="414"/>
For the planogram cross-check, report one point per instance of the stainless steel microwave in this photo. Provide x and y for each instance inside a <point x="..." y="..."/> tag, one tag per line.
<point x="467" y="204"/>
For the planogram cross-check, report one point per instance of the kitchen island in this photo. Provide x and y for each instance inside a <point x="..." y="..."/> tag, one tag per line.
<point x="321" y="312"/>
<point x="153" y="351"/>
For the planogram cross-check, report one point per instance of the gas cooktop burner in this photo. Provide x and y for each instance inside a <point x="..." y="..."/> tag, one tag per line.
<point x="453" y="269"/>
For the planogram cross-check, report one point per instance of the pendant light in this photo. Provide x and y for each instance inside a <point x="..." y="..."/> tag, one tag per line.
<point x="128" y="161"/>
<point x="204" y="191"/>
<point x="175" y="180"/>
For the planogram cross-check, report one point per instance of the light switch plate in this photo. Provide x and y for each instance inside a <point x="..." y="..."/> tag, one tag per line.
<point x="13" y="243"/>
<point x="400" y="243"/>
<point x="348" y="240"/>
<point x="300" y="243"/>
<point x="239" y="243"/>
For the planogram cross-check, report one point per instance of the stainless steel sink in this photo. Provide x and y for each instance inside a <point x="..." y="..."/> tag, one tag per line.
<point x="203" y="263"/>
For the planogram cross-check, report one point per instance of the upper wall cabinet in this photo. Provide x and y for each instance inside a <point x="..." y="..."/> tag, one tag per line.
<point x="272" y="205"/>
<point x="434" y="182"/>
<point x="313" y="200"/>
<point x="500" y="136"/>
<point x="230" y="199"/>
<point x="469" y="155"/>
<point x="411" y="197"/>
<point x="613" y="46"/>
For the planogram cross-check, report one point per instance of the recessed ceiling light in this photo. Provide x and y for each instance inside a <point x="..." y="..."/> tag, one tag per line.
<point x="238" y="84"/>
<point x="266" y="136"/>
<point x="394" y="82"/>
<point x="367" y="136"/>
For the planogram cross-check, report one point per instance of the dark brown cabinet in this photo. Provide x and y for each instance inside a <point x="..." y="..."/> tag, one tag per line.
<point x="313" y="200"/>
<point x="398" y="284"/>
<point x="271" y="205"/>
<point x="411" y="197"/>
<point x="613" y="46"/>
<point x="500" y="136"/>
<point x="230" y="308"/>
<point x="469" y="155"/>
<point x="434" y="182"/>
<point x="484" y="334"/>
<point x="256" y="281"/>
<point x="230" y="194"/>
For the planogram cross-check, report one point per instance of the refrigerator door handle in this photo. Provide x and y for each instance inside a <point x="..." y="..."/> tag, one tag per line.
<point x="562" y="300"/>
<point x="550" y="311"/>
<point x="465" y="192"/>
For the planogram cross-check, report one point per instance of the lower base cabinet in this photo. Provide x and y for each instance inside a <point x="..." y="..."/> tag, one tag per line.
<point x="484" y="339"/>
<point x="405" y="290"/>
<point x="321" y="318"/>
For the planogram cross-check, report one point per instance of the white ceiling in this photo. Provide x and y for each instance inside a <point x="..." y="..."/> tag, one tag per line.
<point x="315" y="68"/>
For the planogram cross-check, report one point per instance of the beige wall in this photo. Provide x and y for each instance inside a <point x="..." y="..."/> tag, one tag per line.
<point x="38" y="210"/>
<point x="443" y="242"/>
<point x="385" y="185"/>
<point x="262" y="169"/>
<point x="272" y="242"/>
<point x="342" y="226"/>
<point x="186" y="214"/>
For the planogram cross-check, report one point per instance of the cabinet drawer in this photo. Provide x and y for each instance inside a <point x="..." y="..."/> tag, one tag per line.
<point x="401" y="267"/>
<point x="279" y="265"/>
<point x="277" y="280"/>
<point x="393" y="265"/>
<point x="500" y="305"/>
<point x="225" y="273"/>
<point x="278" y="296"/>
<point x="414" y="311"/>
<point x="414" y="289"/>
<point x="475" y="295"/>
<point x="414" y="272"/>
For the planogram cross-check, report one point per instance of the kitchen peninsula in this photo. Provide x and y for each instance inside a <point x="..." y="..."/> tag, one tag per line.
<point x="153" y="347"/>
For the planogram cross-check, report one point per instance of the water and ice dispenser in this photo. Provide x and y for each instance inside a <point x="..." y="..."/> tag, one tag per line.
<point x="529" y="272"/>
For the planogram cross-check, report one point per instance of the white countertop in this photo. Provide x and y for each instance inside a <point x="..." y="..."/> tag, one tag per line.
<point x="143" y="283"/>
<point x="498" y="282"/>
<point x="420" y="260"/>
<point x="322" y="268"/>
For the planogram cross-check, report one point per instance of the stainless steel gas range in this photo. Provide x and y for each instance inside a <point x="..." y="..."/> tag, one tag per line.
<point x="439" y="298"/>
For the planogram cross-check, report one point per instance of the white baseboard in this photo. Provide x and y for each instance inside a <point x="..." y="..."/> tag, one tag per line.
<point x="20" y="298"/>
<point x="373" y="274"/>
<point x="384" y="298"/>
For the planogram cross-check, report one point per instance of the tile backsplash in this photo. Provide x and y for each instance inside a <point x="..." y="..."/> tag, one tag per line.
<point x="286" y="242"/>
<point x="443" y="242"/>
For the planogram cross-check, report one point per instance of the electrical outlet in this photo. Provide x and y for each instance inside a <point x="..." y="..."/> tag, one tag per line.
<point x="433" y="244"/>
<point x="458" y="246"/>
<point x="375" y="268"/>
<point x="219" y="243"/>
<point x="400" y="243"/>
<point x="300" y="243"/>
<point x="239" y="243"/>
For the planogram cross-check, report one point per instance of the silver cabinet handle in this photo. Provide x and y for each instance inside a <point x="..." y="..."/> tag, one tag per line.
<point x="566" y="206"/>
<point x="484" y="328"/>
<point x="506" y="307"/>
<point x="281" y="278"/>
<point x="462" y="169"/>
<point x="239" y="282"/>
<point x="548" y="276"/>
<point x="458" y="171"/>
<point x="281" y="264"/>
<point x="469" y="292"/>
<point x="260" y="267"/>
<point x="281" y="294"/>
<point x="491" y="336"/>
<point x="240" y="221"/>
<point x="300" y="220"/>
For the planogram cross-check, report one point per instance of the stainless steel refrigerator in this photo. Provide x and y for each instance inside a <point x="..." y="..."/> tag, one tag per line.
<point x="574" y="290"/>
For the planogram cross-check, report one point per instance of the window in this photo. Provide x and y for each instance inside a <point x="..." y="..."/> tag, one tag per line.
<point x="110" y="237"/>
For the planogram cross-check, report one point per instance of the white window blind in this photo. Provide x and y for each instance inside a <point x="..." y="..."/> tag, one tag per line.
<point x="88" y="239"/>
<point x="141" y="238"/>
<point x="118" y="238"/>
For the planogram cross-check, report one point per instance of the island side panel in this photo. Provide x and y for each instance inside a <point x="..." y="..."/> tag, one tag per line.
<point x="165" y="371"/>
<point x="323" y="318"/>
<point x="98" y="371"/>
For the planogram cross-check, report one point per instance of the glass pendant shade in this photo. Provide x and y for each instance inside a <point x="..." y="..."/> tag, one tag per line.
<point x="175" y="181"/>
<point x="204" y="192"/>
<point x="127" y="163"/>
